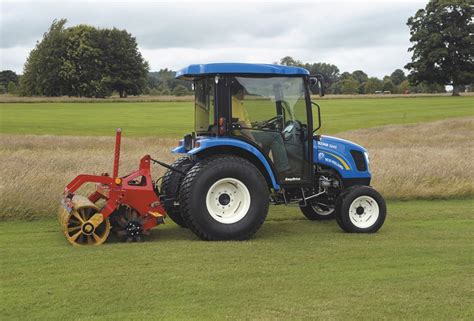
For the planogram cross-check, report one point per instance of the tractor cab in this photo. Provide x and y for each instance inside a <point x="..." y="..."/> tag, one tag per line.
<point x="259" y="107"/>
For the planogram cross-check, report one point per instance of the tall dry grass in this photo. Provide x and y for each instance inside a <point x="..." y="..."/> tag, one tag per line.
<point x="426" y="160"/>
<point x="430" y="160"/>
<point x="35" y="169"/>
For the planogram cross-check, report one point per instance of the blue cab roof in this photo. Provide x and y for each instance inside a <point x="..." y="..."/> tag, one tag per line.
<point x="194" y="71"/>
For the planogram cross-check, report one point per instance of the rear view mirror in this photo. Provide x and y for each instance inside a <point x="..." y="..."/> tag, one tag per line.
<point x="318" y="80"/>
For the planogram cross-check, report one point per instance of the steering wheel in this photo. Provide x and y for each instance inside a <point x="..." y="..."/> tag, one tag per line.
<point x="271" y="123"/>
<point x="289" y="130"/>
<point x="292" y="127"/>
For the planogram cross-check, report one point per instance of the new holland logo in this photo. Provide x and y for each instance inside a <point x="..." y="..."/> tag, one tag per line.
<point x="292" y="179"/>
<point x="321" y="155"/>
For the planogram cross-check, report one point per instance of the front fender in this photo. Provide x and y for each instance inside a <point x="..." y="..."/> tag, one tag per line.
<point x="210" y="142"/>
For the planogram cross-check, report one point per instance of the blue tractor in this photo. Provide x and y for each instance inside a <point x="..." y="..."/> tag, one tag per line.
<point x="255" y="143"/>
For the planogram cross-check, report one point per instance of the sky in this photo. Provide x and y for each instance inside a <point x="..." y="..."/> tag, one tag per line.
<point x="354" y="35"/>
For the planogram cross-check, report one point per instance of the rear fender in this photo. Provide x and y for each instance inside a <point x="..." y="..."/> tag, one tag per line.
<point x="226" y="145"/>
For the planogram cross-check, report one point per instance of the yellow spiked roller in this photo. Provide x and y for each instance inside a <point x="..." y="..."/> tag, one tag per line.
<point x="84" y="225"/>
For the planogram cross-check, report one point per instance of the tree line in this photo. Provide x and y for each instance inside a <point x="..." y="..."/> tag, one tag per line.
<point x="358" y="82"/>
<point x="86" y="61"/>
<point x="163" y="82"/>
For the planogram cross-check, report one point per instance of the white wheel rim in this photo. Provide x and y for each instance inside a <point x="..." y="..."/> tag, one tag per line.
<point x="321" y="211"/>
<point x="228" y="200"/>
<point x="364" y="211"/>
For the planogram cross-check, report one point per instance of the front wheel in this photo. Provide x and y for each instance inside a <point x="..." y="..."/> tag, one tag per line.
<point x="361" y="210"/>
<point x="315" y="211"/>
<point x="224" y="198"/>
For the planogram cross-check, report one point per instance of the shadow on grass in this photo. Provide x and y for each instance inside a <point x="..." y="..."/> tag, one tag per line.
<point x="273" y="229"/>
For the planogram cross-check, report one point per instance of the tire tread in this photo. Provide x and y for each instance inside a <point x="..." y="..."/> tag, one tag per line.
<point x="193" y="175"/>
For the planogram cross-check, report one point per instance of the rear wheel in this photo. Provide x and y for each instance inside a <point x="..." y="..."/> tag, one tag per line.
<point x="361" y="210"/>
<point x="170" y="190"/>
<point x="224" y="198"/>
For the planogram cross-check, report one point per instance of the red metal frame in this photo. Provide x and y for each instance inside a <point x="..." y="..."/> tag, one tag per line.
<point x="118" y="139"/>
<point x="134" y="190"/>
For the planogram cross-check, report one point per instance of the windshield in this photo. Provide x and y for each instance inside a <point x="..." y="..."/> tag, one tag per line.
<point x="265" y="98"/>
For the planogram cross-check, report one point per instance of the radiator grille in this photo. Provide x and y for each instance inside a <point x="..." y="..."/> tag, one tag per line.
<point x="359" y="160"/>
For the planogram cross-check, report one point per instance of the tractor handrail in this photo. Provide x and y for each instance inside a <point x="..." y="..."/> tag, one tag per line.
<point x="319" y="116"/>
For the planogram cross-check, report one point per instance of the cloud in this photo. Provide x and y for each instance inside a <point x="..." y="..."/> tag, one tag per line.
<point x="353" y="35"/>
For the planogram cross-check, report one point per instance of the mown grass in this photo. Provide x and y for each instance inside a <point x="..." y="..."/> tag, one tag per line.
<point x="176" y="118"/>
<point x="417" y="267"/>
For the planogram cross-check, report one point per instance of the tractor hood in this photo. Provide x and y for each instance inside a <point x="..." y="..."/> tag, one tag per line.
<point x="349" y="159"/>
<point x="339" y="144"/>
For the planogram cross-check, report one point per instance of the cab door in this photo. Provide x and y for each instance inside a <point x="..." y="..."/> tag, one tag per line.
<point x="272" y="114"/>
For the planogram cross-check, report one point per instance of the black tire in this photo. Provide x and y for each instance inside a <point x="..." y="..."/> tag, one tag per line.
<point x="170" y="190"/>
<point x="365" y="200"/>
<point x="314" y="212"/>
<point x="206" y="177"/>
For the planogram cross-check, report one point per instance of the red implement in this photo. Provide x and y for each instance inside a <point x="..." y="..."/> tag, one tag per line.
<point x="130" y="202"/>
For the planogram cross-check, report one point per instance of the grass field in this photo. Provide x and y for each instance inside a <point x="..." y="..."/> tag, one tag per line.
<point x="418" y="267"/>
<point x="176" y="118"/>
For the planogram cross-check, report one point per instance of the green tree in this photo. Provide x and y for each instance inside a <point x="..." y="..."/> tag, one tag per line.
<point x="362" y="79"/>
<point x="12" y="88"/>
<point x="373" y="84"/>
<point x="329" y="72"/>
<point x="425" y="87"/>
<point x="41" y="74"/>
<point x="397" y="77"/>
<point x="345" y="75"/>
<point x="349" y="85"/>
<point x="125" y="66"/>
<point x="7" y="76"/>
<point x="443" y="48"/>
<point x="83" y="65"/>
<point x="164" y="80"/>
<point x="388" y="84"/>
<point x="290" y="61"/>
<point x="404" y="87"/>
<point x="180" y="90"/>
<point x="84" y="61"/>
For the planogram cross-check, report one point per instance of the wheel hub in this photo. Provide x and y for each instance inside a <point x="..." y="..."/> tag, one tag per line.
<point x="128" y="225"/>
<point x="87" y="228"/>
<point x="228" y="200"/>
<point x="133" y="229"/>
<point x="364" y="211"/>
<point x="224" y="199"/>
<point x="322" y="209"/>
